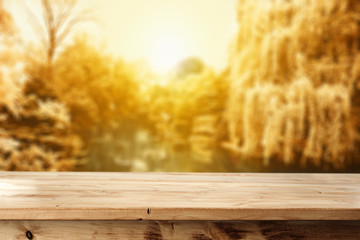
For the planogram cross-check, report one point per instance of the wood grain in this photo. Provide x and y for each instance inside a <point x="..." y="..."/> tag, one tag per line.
<point x="164" y="196"/>
<point x="180" y="230"/>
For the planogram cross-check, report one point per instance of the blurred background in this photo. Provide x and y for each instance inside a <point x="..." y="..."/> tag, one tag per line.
<point x="172" y="85"/>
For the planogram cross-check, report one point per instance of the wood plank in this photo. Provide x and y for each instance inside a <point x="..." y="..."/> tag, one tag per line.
<point x="177" y="196"/>
<point x="180" y="230"/>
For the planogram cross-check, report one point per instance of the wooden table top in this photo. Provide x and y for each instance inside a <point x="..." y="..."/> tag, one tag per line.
<point x="178" y="196"/>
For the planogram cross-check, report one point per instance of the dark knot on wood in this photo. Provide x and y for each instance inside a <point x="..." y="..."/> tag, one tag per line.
<point x="29" y="235"/>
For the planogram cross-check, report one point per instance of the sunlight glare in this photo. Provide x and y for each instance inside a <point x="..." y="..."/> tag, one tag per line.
<point x="166" y="52"/>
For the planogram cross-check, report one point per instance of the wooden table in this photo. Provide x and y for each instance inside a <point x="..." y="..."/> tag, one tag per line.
<point x="179" y="206"/>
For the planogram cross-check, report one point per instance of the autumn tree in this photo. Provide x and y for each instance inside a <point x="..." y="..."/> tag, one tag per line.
<point x="99" y="89"/>
<point x="59" y="21"/>
<point x="60" y="18"/>
<point x="5" y="20"/>
<point x="294" y="78"/>
<point x="187" y="112"/>
<point x="101" y="92"/>
<point x="35" y="134"/>
<point x="8" y="56"/>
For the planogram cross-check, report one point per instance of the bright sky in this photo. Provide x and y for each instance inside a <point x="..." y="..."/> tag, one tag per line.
<point x="166" y="31"/>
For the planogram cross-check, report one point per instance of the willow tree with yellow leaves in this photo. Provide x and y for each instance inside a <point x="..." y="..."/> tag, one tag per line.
<point x="294" y="93"/>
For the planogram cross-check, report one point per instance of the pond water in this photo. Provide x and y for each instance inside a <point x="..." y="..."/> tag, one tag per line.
<point x="138" y="149"/>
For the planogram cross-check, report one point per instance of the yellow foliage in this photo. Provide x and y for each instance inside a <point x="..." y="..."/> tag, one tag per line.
<point x="6" y="21"/>
<point x="294" y="67"/>
<point x="187" y="110"/>
<point x="97" y="88"/>
<point x="34" y="134"/>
